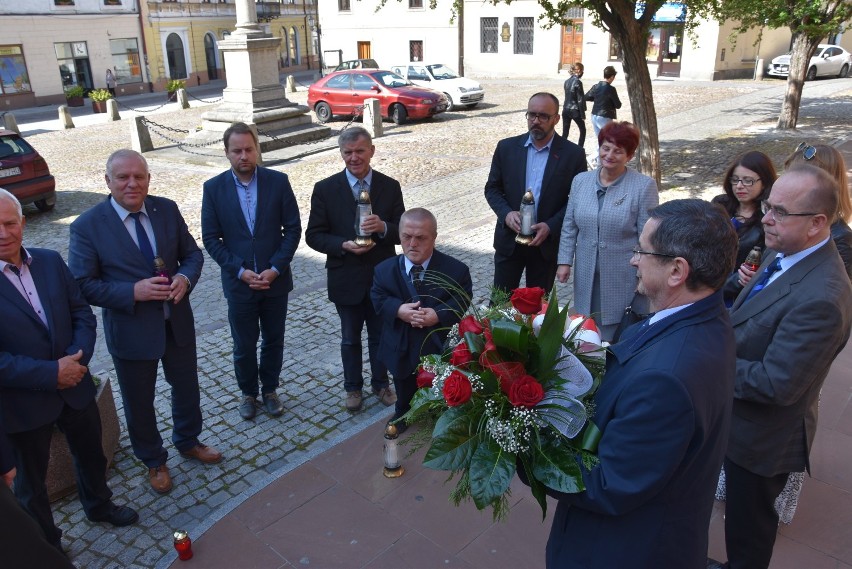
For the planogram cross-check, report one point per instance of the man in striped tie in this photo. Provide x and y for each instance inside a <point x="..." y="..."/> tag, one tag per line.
<point x="788" y="333"/>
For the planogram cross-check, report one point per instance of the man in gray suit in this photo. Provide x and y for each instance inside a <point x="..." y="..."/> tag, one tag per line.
<point x="790" y="323"/>
<point x="147" y="318"/>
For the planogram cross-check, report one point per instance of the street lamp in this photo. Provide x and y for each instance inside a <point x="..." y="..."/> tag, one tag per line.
<point x="314" y="25"/>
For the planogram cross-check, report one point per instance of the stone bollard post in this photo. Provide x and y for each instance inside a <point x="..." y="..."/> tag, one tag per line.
<point x="761" y="69"/>
<point x="65" y="117"/>
<point x="182" y="98"/>
<point x="112" y="111"/>
<point x="9" y="122"/>
<point x="291" y="84"/>
<point x="140" y="138"/>
<point x="373" y="118"/>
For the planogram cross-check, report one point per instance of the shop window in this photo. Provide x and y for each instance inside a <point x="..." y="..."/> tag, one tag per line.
<point x="524" y="28"/>
<point x="488" y="35"/>
<point x="126" y="65"/>
<point x="13" y="71"/>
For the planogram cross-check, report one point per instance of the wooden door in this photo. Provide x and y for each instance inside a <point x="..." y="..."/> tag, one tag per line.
<point x="572" y="43"/>
<point x="364" y="50"/>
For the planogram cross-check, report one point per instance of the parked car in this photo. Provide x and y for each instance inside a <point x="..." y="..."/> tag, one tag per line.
<point x="25" y="173"/>
<point x="343" y="93"/>
<point x="357" y="64"/>
<point x="829" y="60"/>
<point x="460" y="91"/>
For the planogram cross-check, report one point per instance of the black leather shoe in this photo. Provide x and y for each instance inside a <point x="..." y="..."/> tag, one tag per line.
<point x="248" y="407"/>
<point x="713" y="564"/>
<point x="119" y="516"/>
<point x="273" y="404"/>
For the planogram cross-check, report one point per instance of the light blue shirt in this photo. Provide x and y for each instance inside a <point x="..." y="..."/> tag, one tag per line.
<point x="130" y="225"/>
<point x="247" y="196"/>
<point x="536" y="162"/>
<point x="355" y="186"/>
<point x="24" y="284"/>
<point x="787" y="261"/>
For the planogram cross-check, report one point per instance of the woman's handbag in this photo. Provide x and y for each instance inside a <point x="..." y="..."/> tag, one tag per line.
<point x="637" y="310"/>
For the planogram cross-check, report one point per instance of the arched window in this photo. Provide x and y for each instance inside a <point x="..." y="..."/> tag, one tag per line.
<point x="210" y="56"/>
<point x="295" y="56"/>
<point x="175" y="57"/>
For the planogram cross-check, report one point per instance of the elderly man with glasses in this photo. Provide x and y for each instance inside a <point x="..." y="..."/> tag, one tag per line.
<point x="790" y="322"/>
<point x="544" y="164"/>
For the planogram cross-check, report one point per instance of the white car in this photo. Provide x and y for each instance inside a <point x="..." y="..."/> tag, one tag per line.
<point x="460" y="91"/>
<point x="829" y="60"/>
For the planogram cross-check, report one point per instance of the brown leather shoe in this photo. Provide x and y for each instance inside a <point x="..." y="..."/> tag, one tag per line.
<point x="353" y="400"/>
<point x="385" y="395"/>
<point x="160" y="479"/>
<point x="203" y="453"/>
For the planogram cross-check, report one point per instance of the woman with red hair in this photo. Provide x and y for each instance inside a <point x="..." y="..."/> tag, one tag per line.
<point x="605" y="214"/>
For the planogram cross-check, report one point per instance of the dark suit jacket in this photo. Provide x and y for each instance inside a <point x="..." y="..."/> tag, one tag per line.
<point x="332" y="221"/>
<point x="506" y="186"/>
<point x="401" y="345"/>
<point x="28" y="361"/>
<point x="107" y="263"/>
<point x="664" y="409"/>
<point x="787" y="336"/>
<point x="226" y="236"/>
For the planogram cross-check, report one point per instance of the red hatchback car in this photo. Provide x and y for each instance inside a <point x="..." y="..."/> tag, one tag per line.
<point x="343" y="93"/>
<point x="25" y="173"/>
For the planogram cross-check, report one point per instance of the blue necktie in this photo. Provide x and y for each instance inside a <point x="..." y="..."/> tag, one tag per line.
<point x="773" y="267"/>
<point x="142" y="237"/>
<point x="417" y="277"/>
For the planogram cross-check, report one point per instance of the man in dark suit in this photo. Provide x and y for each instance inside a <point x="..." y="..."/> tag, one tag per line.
<point x="664" y="407"/>
<point x="419" y="295"/>
<point x="250" y="226"/>
<point x="790" y="322"/>
<point x="47" y="338"/>
<point x="331" y="230"/>
<point x="147" y="319"/>
<point x="546" y="164"/>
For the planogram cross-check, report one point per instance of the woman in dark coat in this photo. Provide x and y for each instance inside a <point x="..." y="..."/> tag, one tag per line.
<point x="746" y="183"/>
<point x="574" y="108"/>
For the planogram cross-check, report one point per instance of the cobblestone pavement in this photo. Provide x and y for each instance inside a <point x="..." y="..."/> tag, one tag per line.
<point x="442" y="164"/>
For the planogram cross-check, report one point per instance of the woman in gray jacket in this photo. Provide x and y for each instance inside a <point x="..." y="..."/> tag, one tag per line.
<point x="606" y="212"/>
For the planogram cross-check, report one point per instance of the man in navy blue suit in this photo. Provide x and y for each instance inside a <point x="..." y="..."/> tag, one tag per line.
<point x="331" y="230"/>
<point x="415" y="305"/>
<point x="250" y="226"/>
<point x="546" y="164"/>
<point x="664" y="407"/>
<point x="146" y="318"/>
<point x="46" y="341"/>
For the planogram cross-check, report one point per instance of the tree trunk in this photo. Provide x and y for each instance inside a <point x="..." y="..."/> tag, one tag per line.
<point x="800" y="59"/>
<point x="640" y="92"/>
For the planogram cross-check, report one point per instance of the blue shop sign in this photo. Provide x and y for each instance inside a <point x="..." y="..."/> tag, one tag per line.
<point x="668" y="12"/>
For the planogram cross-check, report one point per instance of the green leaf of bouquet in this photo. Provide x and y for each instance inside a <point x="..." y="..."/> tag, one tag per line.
<point x="453" y="441"/>
<point x="536" y="486"/>
<point x="550" y="335"/>
<point x="421" y="397"/>
<point x="557" y="468"/>
<point x="491" y="472"/>
<point x="510" y="335"/>
<point x="475" y="342"/>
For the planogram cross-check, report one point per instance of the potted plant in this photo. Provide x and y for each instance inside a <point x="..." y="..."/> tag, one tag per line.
<point x="74" y="95"/>
<point x="99" y="98"/>
<point x="172" y="86"/>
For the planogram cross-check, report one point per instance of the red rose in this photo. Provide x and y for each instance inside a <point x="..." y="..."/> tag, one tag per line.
<point x="527" y="300"/>
<point x="424" y="378"/>
<point x="461" y="355"/>
<point x="507" y="373"/>
<point x="526" y="392"/>
<point x="457" y="389"/>
<point x="469" y="324"/>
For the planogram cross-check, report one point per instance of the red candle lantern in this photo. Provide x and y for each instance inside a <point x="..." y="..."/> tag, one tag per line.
<point x="183" y="545"/>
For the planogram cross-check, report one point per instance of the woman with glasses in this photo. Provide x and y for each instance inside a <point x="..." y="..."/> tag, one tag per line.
<point x="746" y="183"/>
<point x="607" y="209"/>
<point x="829" y="159"/>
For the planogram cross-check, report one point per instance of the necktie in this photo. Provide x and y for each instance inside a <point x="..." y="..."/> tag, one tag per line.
<point x="773" y="267"/>
<point x="417" y="277"/>
<point x="360" y="187"/>
<point x="142" y="237"/>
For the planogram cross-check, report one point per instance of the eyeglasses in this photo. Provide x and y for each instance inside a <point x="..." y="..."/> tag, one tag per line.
<point x="540" y="117"/>
<point x="637" y="252"/>
<point x="747" y="182"/>
<point x="778" y="214"/>
<point x="808" y="151"/>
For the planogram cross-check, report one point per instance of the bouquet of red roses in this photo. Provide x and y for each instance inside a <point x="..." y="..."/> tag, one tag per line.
<point x="512" y="386"/>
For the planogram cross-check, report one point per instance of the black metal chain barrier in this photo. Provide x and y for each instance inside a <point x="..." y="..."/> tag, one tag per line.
<point x="188" y="94"/>
<point x="143" y="110"/>
<point x="181" y="144"/>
